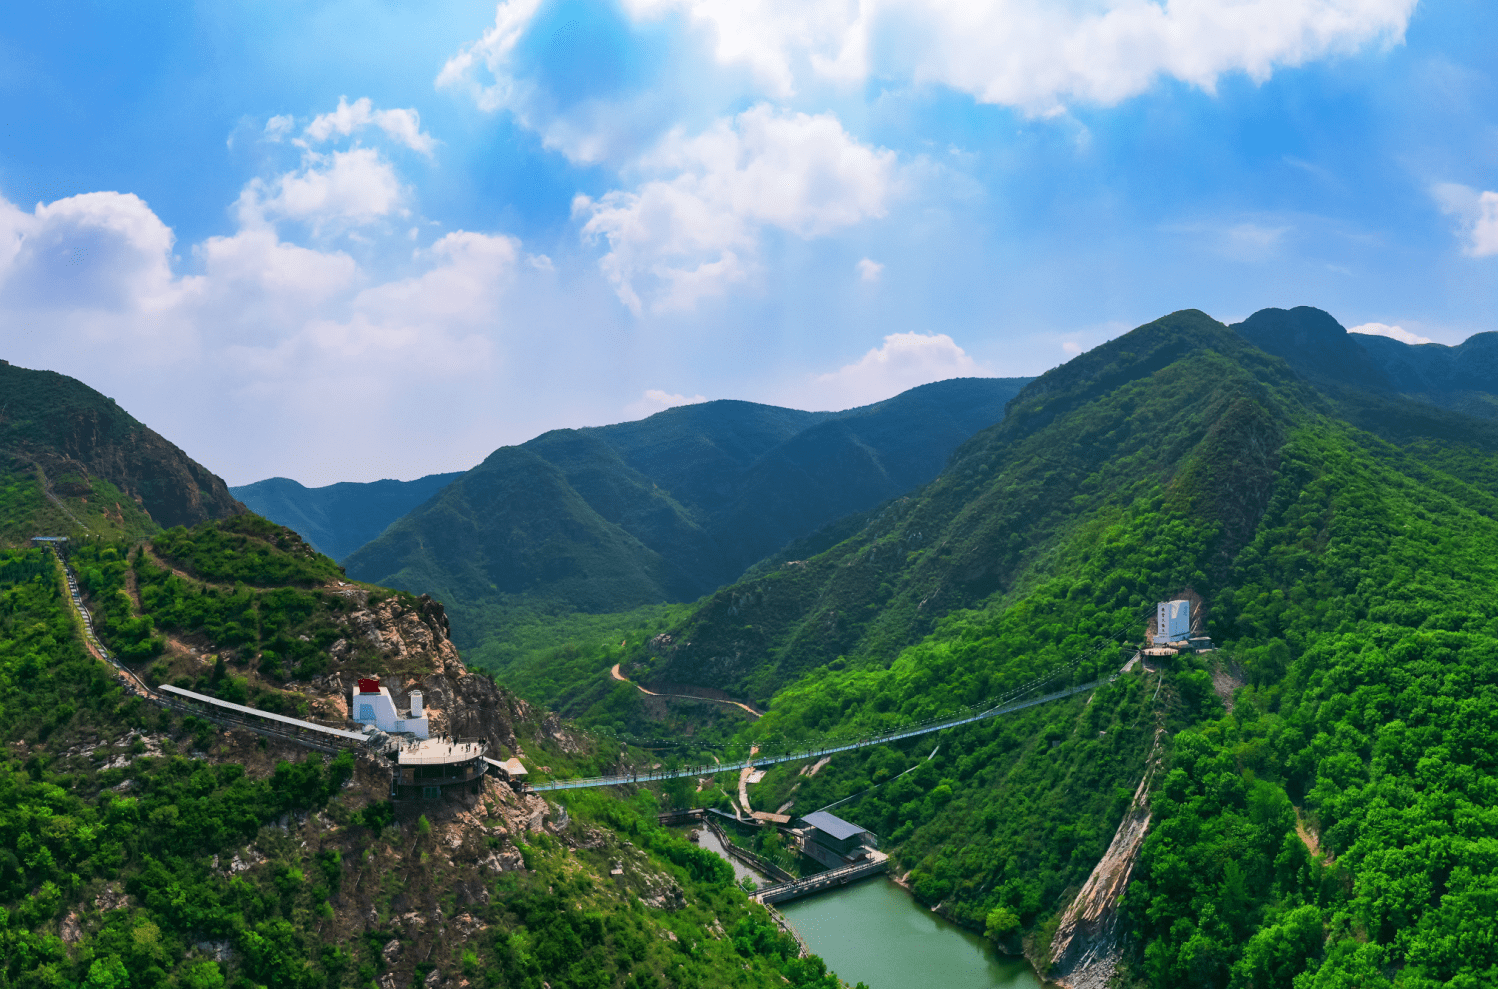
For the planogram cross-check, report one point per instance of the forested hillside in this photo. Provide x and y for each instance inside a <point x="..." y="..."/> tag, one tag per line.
<point x="73" y="461"/>
<point x="660" y="510"/>
<point x="339" y="518"/>
<point x="142" y="847"/>
<point x="1320" y="814"/>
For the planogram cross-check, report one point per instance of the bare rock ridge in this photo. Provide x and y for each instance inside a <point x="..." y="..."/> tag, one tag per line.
<point x="1086" y="948"/>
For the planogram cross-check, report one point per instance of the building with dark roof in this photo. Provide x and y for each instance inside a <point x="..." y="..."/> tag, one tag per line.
<point x="833" y="841"/>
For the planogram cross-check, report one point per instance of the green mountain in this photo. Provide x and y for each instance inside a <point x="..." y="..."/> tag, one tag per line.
<point x="1314" y="803"/>
<point x="338" y="518"/>
<point x="143" y="845"/>
<point x="1463" y="378"/>
<point x="667" y="508"/>
<point x="73" y="462"/>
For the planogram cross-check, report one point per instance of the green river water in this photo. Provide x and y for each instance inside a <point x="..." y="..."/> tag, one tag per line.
<point x="874" y="932"/>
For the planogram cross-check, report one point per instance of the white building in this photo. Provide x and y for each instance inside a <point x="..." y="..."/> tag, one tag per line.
<point x="371" y="704"/>
<point x="1172" y="622"/>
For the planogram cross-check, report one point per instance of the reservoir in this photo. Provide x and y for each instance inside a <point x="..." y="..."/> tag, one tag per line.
<point x="875" y="933"/>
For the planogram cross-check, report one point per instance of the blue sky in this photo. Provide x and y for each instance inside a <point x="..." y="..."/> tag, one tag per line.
<point x="377" y="239"/>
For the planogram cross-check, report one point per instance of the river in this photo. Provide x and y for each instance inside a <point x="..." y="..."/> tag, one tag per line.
<point x="875" y="933"/>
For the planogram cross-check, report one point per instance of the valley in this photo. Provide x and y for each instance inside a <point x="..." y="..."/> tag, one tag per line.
<point x="951" y="653"/>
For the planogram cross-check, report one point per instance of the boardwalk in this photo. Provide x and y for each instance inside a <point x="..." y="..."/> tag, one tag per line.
<point x="832" y="878"/>
<point x="877" y="738"/>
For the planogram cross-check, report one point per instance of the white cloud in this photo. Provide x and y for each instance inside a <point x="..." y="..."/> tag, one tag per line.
<point x="403" y="126"/>
<point x="511" y="18"/>
<point x="341" y="189"/>
<point x="869" y="270"/>
<point x="278" y="340"/>
<point x="904" y="361"/>
<point x="1392" y="332"/>
<point x="1476" y="211"/>
<point x="1485" y="229"/>
<point x="1034" y="54"/>
<point x="655" y="400"/>
<point x="692" y="233"/>
<point x="1071" y="347"/>
<point x="276" y="128"/>
<point x="99" y="250"/>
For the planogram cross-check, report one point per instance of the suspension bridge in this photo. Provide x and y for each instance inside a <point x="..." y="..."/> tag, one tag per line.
<point x="877" y="738"/>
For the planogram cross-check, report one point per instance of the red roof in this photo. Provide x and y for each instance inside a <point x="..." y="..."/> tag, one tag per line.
<point x="369" y="685"/>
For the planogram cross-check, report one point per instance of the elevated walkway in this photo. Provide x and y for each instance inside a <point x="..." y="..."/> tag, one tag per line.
<point x="831" y="879"/>
<point x="877" y="738"/>
<point x="264" y="722"/>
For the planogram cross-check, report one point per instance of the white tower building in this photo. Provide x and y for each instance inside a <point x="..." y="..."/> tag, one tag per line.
<point x="1172" y="622"/>
<point x="371" y="704"/>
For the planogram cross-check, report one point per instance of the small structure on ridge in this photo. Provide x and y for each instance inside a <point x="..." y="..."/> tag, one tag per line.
<point x="371" y="704"/>
<point x="1172" y="622"/>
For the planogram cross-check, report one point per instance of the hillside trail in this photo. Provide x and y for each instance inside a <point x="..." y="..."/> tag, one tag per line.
<point x="716" y="700"/>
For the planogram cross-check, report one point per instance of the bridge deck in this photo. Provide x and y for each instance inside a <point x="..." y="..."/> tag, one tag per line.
<point x="880" y="738"/>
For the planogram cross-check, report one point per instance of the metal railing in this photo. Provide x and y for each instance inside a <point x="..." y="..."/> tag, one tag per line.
<point x="878" y="738"/>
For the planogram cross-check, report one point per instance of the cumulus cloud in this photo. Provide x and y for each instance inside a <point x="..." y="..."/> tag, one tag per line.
<point x="276" y="128"/>
<point x="654" y="400"/>
<point x="99" y="250"/>
<point x="403" y="126"/>
<point x="493" y="50"/>
<point x="288" y="335"/>
<point x="1392" y="332"/>
<point x="1034" y="54"/>
<point x="694" y="231"/>
<point x="345" y="188"/>
<point x="902" y="362"/>
<point x="869" y="270"/>
<point x="1476" y="213"/>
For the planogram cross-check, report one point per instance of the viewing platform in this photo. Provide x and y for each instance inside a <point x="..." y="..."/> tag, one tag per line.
<point x="425" y="767"/>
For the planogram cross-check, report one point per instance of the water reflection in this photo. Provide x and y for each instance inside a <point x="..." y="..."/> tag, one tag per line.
<point x="874" y="932"/>
<point x="710" y="841"/>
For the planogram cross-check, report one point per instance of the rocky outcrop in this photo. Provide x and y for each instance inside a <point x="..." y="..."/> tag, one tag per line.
<point x="402" y="635"/>
<point x="1085" y="949"/>
<point x="413" y="652"/>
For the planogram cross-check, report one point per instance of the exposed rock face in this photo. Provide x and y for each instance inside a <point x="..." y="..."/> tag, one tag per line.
<point x="415" y="653"/>
<point x="1085" y="949"/>
<point x="405" y="636"/>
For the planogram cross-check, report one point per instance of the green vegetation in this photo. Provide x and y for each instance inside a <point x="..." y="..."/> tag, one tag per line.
<point x="246" y="549"/>
<point x="1334" y="829"/>
<point x="661" y="510"/>
<point x="91" y="502"/>
<point x="339" y="518"/>
<point x="104" y="823"/>
<point x="112" y="474"/>
<point x="284" y="631"/>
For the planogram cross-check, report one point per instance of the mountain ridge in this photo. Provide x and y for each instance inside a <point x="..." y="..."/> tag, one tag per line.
<point x="666" y="508"/>
<point x="79" y="462"/>
<point x="339" y="518"/>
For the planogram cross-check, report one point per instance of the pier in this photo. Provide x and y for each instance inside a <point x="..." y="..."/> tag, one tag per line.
<point x="831" y="879"/>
